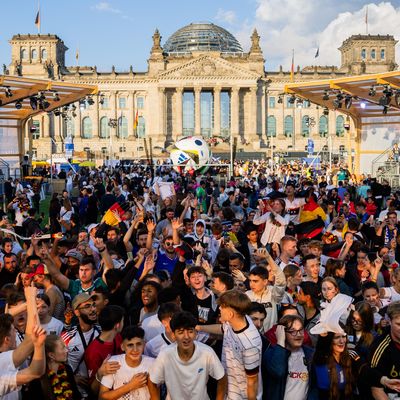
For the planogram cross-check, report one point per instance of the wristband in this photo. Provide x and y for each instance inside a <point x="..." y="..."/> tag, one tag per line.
<point x="101" y="250"/>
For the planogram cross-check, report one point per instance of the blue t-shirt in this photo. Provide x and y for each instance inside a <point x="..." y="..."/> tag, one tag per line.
<point x="164" y="262"/>
<point x="323" y="379"/>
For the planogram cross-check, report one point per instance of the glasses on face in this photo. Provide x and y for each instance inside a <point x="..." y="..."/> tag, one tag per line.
<point x="340" y="337"/>
<point x="168" y="243"/>
<point x="295" y="332"/>
<point x="88" y="306"/>
<point x="356" y="321"/>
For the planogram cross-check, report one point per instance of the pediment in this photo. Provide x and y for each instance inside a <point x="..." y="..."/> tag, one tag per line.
<point x="208" y="67"/>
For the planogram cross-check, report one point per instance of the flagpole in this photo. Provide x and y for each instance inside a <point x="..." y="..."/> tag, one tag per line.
<point x="366" y="20"/>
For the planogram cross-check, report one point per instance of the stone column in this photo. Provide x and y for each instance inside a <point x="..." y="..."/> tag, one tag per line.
<point x="252" y="136"/>
<point x="235" y="111"/>
<point x="96" y="105"/>
<point x="197" y="111"/>
<point x="162" y="113"/>
<point x="131" y="114"/>
<point x="263" y="112"/>
<point x="178" y="126"/>
<point x="45" y="125"/>
<point x="217" y="111"/>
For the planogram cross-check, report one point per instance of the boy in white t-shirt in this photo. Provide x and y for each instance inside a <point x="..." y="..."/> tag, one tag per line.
<point x="186" y="365"/>
<point x="130" y="381"/>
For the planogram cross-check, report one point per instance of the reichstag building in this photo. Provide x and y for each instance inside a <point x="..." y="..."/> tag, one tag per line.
<point x="200" y="81"/>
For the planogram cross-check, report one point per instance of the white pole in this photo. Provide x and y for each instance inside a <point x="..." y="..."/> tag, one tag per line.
<point x="231" y="154"/>
<point x="330" y="152"/>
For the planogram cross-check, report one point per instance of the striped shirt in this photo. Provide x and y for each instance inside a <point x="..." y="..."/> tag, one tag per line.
<point x="241" y="356"/>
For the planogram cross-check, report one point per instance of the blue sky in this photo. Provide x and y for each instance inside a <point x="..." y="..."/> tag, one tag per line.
<point x="118" y="32"/>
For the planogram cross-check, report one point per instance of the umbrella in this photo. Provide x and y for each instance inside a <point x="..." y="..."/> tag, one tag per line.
<point x="87" y="164"/>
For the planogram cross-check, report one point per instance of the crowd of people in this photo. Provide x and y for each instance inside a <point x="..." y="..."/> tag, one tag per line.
<point x="144" y="283"/>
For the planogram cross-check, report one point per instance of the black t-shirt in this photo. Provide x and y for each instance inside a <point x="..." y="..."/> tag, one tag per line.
<point x="7" y="277"/>
<point x="204" y="308"/>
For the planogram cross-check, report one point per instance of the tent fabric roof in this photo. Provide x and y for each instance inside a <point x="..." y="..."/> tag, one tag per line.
<point x="21" y="89"/>
<point x="358" y="87"/>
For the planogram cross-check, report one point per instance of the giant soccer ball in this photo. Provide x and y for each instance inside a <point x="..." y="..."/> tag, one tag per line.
<point x="190" y="153"/>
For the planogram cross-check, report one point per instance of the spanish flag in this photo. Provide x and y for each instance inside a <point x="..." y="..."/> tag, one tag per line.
<point x="312" y="220"/>
<point x="135" y="124"/>
<point x="37" y="20"/>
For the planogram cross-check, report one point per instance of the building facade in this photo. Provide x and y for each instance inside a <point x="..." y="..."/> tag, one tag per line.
<point x="200" y="82"/>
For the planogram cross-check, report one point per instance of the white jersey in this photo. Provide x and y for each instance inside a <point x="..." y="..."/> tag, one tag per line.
<point x="186" y="379"/>
<point x="293" y="208"/>
<point x="7" y="367"/>
<point x="241" y="355"/>
<point x="76" y="348"/>
<point x="125" y="374"/>
<point x="152" y="327"/>
<point x="155" y="345"/>
<point x="54" y="327"/>
<point x="391" y="294"/>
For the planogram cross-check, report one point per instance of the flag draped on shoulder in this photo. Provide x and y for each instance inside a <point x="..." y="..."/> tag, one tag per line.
<point x="312" y="220"/>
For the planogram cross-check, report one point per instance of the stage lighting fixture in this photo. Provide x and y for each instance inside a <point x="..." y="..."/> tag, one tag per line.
<point x="372" y="91"/>
<point x="18" y="104"/>
<point x="8" y="92"/>
<point x="73" y="107"/>
<point x="363" y="104"/>
<point x="348" y="100"/>
<point x="82" y="104"/>
<point x="385" y="110"/>
<point x="101" y="100"/>
<point x="292" y="99"/>
<point x="326" y="111"/>
<point x="56" y="97"/>
<point x="90" y="100"/>
<point x="280" y="100"/>
<point x="43" y="104"/>
<point x="57" y="112"/>
<point x="41" y="96"/>
<point x="325" y="96"/>
<point x="384" y="100"/>
<point x="33" y="102"/>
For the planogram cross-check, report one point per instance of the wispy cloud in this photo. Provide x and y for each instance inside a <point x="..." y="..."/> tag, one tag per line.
<point x="227" y="16"/>
<point x="106" y="7"/>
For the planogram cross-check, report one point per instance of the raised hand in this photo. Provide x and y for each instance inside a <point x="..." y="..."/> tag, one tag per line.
<point x="38" y="336"/>
<point x="149" y="263"/>
<point x="238" y="275"/>
<point x="176" y="224"/>
<point x="151" y="225"/>
<point x="99" y="243"/>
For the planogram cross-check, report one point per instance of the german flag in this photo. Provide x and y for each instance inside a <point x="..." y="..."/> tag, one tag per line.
<point x="312" y="220"/>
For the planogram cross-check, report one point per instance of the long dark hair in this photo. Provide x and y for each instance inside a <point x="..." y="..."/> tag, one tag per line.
<point x="367" y="317"/>
<point x="324" y="356"/>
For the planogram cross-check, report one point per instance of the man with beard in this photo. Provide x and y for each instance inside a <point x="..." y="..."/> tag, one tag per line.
<point x="166" y="256"/>
<point x="9" y="272"/>
<point x="78" y="338"/>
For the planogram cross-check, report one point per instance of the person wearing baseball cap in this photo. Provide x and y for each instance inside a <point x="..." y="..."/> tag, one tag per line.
<point x="42" y="280"/>
<point x="79" y="336"/>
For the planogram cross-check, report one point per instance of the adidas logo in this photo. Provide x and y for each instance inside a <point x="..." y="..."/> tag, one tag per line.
<point x="75" y="349"/>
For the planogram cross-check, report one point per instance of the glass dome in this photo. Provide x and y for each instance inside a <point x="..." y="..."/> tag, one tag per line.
<point x="202" y="37"/>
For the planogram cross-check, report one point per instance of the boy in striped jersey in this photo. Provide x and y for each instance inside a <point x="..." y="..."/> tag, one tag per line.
<point x="242" y="346"/>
